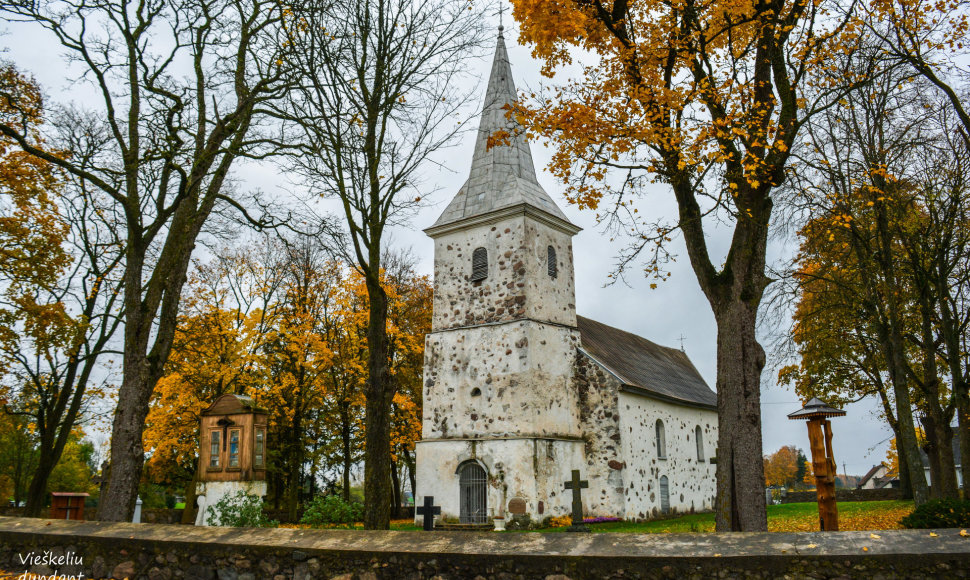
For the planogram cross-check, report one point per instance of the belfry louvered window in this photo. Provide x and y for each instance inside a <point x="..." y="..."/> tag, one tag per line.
<point x="479" y="264"/>
<point x="551" y="262"/>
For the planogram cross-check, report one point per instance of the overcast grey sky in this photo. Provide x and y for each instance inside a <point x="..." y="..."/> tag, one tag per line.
<point x="675" y="308"/>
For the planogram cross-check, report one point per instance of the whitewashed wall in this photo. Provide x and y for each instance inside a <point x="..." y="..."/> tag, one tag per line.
<point x="691" y="482"/>
<point x="518" y="284"/>
<point x="531" y="469"/>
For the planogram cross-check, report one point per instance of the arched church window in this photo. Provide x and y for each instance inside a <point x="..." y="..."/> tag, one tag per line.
<point x="661" y="440"/>
<point x="551" y="262"/>
<point x="664" y="495"/>
<point x="479" y="264"/>
<point x="699" y="440"/>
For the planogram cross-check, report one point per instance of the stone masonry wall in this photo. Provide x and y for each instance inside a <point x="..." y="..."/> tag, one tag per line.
<point x="691" y="483"/>
<point x="842" y="494"/>
<point x="506" y="379"/>
<point x="159" y="552"/>
<point x="598" y="393"/>
<point x="518" y="285"/>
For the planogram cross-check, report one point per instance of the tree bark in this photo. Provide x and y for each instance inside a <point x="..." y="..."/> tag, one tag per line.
<point x="377" y="436"/>
<point x="396" y="488"/>
<point x="345" y="441"/>
<point x="740" y="501"/>
<point x="735" y="294"/>
<point x="188" y="515"/>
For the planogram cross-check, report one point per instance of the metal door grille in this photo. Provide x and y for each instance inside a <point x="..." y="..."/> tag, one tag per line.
<point x="664" y="496"/>
<point x="472" y="482"/>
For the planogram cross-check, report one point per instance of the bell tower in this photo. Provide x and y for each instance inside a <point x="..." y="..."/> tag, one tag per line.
<point x="500" y="357"/>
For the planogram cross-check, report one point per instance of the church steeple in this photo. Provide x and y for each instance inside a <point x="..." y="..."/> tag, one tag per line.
<point x="504" y="176"/>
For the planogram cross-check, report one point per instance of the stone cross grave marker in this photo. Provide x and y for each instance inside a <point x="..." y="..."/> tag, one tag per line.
<point x="429" y="511"/>
<point x="577" y="486"/>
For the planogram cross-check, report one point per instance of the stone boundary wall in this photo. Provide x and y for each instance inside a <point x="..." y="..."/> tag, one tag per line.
<point x="842" y="494"/>
<point x="160" y="552"/>
<point x="174" y="516"/>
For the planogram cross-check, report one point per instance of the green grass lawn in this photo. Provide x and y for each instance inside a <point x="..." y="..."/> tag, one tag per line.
<point x="792" y="517"/>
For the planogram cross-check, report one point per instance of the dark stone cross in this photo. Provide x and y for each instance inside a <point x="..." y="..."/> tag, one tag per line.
<point x="429" y="511"/>
<point x="577" y="486"/>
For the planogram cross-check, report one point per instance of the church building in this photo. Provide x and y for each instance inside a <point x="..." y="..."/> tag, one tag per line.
<point x="518" y="389"/>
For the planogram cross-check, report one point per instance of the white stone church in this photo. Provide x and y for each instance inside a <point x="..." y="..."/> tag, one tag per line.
<point x="519" y="390"/>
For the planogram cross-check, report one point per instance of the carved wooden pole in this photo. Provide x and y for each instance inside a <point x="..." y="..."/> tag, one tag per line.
<point x="823" y="459"/>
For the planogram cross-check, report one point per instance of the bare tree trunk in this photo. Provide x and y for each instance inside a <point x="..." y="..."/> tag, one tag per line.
<point x="187" y="514"/>
<point x="740" y="500"/>
<point x="377" y="433"/>
<point x="735" y="294"/>
<point x="906" y="444"/>
<point x="396" y="496"/>
<point x="345" y="441"/>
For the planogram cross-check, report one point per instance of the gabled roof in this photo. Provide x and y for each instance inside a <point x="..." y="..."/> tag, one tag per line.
<point x="230" y="404"/>
<point x="504" y="175"/>
<point x="870" y="474"/>
<point x="644" y="366"/>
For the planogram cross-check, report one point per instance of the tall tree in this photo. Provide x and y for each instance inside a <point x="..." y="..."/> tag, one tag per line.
<point x="58" y="306"/>
<point x="380" y="96"/>
<point x="707" y="97"/>
<point x="882" y="253"/>
<point x="184" y="89"/>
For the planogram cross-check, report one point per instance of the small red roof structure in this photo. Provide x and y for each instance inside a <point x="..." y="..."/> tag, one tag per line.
<point x="815" y="409"/>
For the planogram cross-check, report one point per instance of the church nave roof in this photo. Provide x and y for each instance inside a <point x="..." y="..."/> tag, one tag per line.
<point x="643" y="364"/>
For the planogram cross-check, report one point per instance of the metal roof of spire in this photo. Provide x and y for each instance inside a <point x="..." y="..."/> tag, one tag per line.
<point x="504" y="176"/>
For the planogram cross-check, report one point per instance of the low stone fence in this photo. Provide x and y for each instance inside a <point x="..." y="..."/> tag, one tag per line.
<point x="160" y="552"/>
<point x="842" y="494"/>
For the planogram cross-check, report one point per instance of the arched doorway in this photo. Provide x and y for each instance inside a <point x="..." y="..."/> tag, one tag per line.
<point x="472" y="482"/>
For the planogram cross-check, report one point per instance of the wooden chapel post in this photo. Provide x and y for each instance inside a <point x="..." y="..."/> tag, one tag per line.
<point x="823" y="459"/>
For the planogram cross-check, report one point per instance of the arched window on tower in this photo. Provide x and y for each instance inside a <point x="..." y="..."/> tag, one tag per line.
<point x="479" y="264"/>
<point x="551" y="262"/>
<point x="699" y="440"/>
<point x="661" y="440"/>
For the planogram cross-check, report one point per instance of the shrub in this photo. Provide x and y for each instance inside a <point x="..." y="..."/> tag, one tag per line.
<point x="239" y="510"/>
<point x="332" y="509"/>
<point x="940" y="513"/>
<point x="519" y="522"/>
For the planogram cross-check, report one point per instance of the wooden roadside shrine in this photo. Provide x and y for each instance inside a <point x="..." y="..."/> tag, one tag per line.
<point x="232" y="457"/>
<point x="817" y="413"/>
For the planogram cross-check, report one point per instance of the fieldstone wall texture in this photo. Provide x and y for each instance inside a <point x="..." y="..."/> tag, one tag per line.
<point x="157" y="552"/>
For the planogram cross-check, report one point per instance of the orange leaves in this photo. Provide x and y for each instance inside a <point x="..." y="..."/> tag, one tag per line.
<point x="676" y="91"/>
<point x="292" y="334"/>
<point x="781" y="466"/>
<point x="32" y="235"/>
<point x="858" y="516"/>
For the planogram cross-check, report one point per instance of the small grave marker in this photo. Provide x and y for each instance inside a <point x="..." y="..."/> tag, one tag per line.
<point x="577" y="486"/>
<point x="429" y="511"/>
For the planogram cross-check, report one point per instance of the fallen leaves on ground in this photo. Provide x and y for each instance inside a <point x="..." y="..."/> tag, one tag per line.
<point x="881" y="519"/>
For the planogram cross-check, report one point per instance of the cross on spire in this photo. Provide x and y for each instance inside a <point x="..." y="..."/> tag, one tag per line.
<point x="501" y="12"/>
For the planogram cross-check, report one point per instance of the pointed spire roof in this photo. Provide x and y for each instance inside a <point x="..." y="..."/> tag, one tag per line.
<point x="503" y="177"/>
